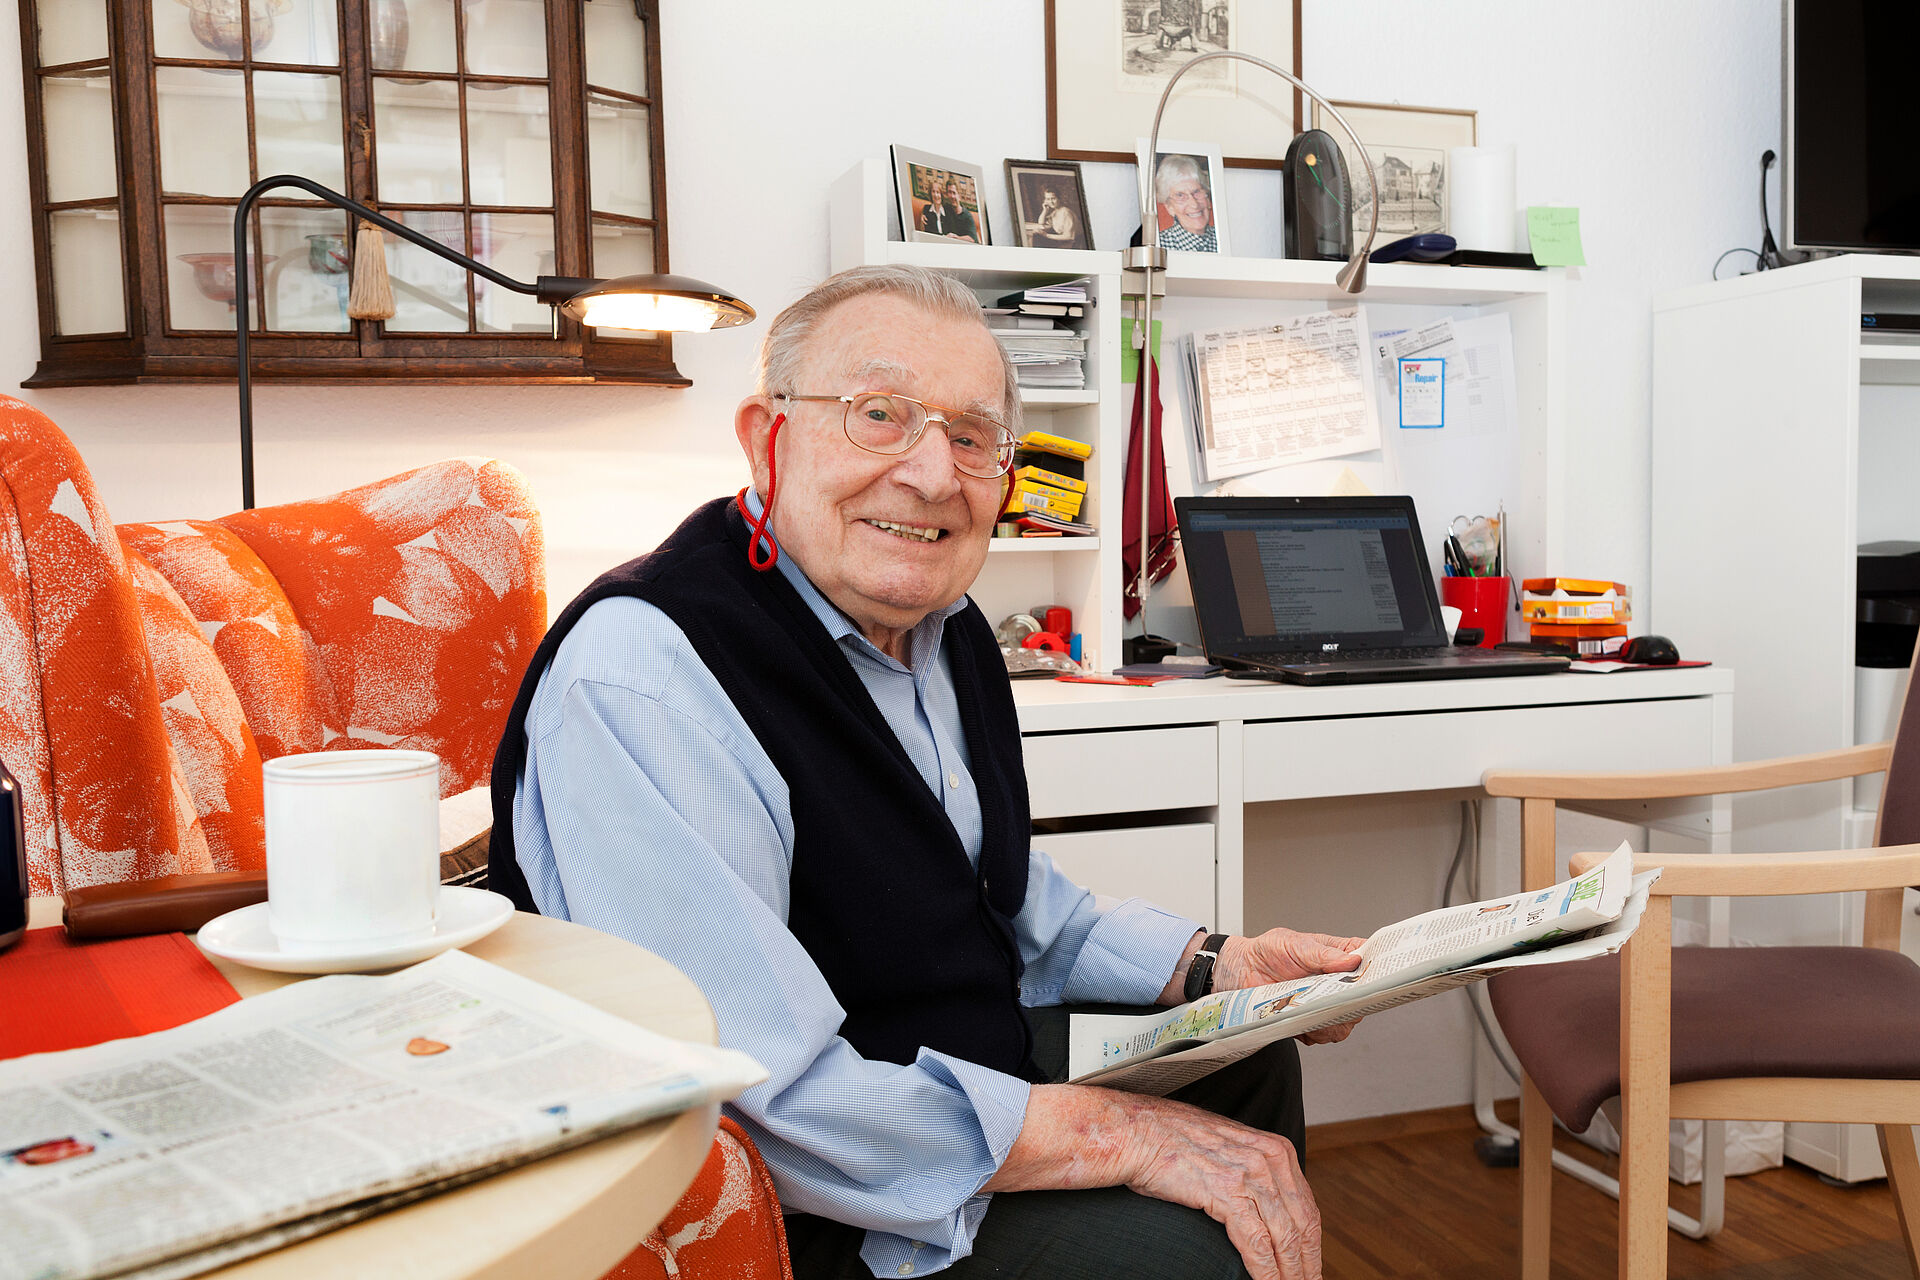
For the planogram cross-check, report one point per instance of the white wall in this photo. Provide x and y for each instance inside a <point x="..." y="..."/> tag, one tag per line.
<point x="1649" y="116"/>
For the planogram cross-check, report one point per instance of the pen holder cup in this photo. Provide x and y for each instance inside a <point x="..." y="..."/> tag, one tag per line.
<point x="1482" y="602"/>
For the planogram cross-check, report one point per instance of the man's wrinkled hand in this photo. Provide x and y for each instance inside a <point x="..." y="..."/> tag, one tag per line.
<point x="1281" y="955"/>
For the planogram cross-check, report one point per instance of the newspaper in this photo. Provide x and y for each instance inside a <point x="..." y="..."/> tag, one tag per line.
<point x="1589" y="915"/>
<point x="312" y="1106"/>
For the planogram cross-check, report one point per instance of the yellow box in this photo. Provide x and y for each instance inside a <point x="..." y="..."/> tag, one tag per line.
<point x="1054" y="478"/>
<point x="1042" y="442"/>
<point x="1028" y="496"/>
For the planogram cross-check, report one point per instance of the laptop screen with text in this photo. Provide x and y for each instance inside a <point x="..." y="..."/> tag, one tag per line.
<point x="1295" y="575"/>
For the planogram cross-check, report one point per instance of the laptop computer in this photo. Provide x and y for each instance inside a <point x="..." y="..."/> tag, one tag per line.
<point x="1325" y="591"/>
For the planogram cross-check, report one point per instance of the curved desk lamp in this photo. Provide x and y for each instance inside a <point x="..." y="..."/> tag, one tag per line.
<point x="1150" y="259"/>
<point x="657" y="302"/>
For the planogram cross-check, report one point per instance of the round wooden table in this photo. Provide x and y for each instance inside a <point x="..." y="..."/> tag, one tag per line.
<point x="568" y="1217"/>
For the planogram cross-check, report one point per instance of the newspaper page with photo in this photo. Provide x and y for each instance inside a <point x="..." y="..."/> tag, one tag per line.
<point x="1588" y="915"/>
<point x="313" y="1106"/>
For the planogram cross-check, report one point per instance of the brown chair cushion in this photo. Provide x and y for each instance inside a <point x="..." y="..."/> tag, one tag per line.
<point x="1844" y="1012"/>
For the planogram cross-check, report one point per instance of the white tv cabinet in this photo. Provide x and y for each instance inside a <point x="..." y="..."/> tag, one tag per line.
<point x="1784" y="437"/>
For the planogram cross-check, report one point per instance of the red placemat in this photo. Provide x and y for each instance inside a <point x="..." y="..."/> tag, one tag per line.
<point x="63" y="995"/>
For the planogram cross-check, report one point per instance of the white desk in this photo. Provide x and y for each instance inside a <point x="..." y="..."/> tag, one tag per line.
<point x="1205" y="749"/>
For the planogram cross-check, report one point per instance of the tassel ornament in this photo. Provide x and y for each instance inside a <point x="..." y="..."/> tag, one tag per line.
<point x="371" y="295"/>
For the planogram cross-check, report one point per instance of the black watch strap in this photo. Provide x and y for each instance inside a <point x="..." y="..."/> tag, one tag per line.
<point x="1200" y="968"/>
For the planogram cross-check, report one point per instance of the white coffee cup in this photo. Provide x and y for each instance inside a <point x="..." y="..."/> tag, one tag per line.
<point x="353" y="849"/>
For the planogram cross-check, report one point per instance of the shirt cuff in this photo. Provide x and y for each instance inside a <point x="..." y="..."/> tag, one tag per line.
<point x="1000" y="1104"/>
<point x="1129" y="957"/>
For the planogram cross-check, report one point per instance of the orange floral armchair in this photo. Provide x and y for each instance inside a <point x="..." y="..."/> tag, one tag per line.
<point x="147" y="670"/>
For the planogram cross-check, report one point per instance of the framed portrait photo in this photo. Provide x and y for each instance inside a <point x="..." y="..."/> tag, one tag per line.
<point x="1109" y="60"/>
<point x="1187" y="182"/>
<point x="1408" y="146"/>
<point x="940" y="199"/>
<point x="1049" y="204"/>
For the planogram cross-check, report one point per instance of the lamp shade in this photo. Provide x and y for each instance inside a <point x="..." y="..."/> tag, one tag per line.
<point x="656" y="302"/>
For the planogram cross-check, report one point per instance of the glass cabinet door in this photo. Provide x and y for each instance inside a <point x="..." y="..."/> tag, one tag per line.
<point x="522" y="133"/>
<point x="71" y="65"/>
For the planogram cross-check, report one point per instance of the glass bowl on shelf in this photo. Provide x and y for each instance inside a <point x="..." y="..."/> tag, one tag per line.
<point x="213" y="273"/>
<point x="216" y="24"/>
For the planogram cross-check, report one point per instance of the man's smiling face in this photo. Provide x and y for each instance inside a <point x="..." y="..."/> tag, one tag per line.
<point x="887" y="538"/>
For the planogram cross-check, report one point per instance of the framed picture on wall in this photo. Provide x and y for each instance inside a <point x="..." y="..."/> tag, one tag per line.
<point x="1049" y="204"/>
<point x="1109" y="60"/>
<point x="1408" y="146"/>
<point x="1186" y="180"/>
<point x="940" y="199"/>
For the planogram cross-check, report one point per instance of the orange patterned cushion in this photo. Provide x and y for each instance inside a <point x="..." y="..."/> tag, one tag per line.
<point x="144" y="676"/>
<point x="96" y="758"/>
<point x="727" y="1226"/>
<point x="425" y="597"/>
<point x="219" y="763"/>
<point x="271" y="660"/>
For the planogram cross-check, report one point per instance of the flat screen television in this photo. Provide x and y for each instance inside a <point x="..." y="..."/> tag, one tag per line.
<point x="1850" y="106"/>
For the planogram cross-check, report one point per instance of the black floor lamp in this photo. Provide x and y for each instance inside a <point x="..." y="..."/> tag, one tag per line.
<point x="656" y="302"/>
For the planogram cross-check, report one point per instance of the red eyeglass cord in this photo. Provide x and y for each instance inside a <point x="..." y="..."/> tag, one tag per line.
<point x="759" y="523"/>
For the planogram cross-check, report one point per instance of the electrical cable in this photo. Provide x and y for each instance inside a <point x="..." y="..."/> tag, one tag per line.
<point x="1757" y="257"/>
<point x="1470" y="838"/>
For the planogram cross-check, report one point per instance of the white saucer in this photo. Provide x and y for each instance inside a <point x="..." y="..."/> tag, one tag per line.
<point x="243" y="936"/>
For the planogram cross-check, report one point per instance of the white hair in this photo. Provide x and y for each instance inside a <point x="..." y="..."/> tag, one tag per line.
<point x="1175" y="169"/>
<point x="783" y="352"/>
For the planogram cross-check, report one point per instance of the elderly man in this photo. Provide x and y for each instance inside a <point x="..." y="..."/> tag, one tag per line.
<point x="781" y="751"/>
<point x="1180" y="186"/>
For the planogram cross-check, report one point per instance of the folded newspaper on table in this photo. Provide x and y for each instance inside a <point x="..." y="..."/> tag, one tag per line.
<point x="1589" y="915"/>
<point x="313" y="1106"/>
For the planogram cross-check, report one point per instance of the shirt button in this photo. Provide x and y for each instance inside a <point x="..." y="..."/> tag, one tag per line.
<point x="953" y="780"/>
<point x="906" y="1268"/>
<point x="918" y="1244"/>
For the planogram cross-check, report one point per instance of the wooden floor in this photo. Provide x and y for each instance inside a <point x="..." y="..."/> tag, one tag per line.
<point x="1417" y="1203"/>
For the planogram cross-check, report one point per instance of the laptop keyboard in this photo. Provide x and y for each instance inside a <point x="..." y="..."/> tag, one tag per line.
<point x="1354" y="655"/>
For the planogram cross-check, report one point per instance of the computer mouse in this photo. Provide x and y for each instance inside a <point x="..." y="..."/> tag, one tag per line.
<point x="1651" y="651"/>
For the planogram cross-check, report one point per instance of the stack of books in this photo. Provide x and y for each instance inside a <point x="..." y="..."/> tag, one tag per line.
<point x="1049" y="488"/>
<point x="1045" y="350"/>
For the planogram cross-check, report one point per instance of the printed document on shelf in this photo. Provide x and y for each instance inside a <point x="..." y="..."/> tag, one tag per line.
<point x="312" y="1106"/>
<point x="1288" y="392"/>
<point x="1479" y="356"/>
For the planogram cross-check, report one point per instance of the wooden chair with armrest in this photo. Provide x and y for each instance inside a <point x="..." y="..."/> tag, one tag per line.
<point x="1826" y="1034"/>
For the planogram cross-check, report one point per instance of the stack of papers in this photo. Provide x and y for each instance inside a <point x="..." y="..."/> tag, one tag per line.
<point x="1072" y="292"/>
<point x="1045" y="358"/>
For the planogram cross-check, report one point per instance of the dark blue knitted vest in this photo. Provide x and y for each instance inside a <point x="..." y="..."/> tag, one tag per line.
<point x="917" y="946"/>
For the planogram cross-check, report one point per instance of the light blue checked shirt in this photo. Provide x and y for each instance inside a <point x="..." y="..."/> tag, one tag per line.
<point x="649" y="810"/>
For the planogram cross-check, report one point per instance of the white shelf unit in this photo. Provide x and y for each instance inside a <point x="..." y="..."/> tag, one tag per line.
<point x="1524" y="467"/>
<point x="1783" y="437"/>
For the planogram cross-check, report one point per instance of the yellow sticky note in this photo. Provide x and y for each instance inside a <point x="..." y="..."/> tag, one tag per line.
<point x="1555" y="235"/>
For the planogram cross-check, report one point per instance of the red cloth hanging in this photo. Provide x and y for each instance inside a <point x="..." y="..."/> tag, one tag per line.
<point x="1163" y="534"/>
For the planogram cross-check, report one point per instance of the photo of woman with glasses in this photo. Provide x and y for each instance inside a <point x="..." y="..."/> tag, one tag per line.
<point x="1184" y="179"/>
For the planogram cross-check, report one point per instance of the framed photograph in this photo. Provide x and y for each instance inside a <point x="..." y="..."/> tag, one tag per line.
<point x="1109" y="60"/>
<point x="1409" y="150"/>
<point x="1185" y="178"/>
<point x="1049" y="204"/>
<point x="940" y="199"/>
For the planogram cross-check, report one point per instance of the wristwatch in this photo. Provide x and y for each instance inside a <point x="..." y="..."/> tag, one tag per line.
<point x="1200" y="968"/>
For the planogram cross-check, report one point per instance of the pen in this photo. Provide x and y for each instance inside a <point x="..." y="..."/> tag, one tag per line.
<point x="1460" y="556"/>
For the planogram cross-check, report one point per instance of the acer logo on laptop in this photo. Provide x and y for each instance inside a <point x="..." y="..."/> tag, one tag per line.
<point x="1330" y="648"/>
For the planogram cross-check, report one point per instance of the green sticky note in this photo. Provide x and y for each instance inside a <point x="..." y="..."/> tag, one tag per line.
<point x="1555" y="233"/>
<point x="1129" y="357"/>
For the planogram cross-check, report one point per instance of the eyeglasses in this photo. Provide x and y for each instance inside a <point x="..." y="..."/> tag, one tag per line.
<point x="1187" y="198"/>
<point x="883" y="423"/>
